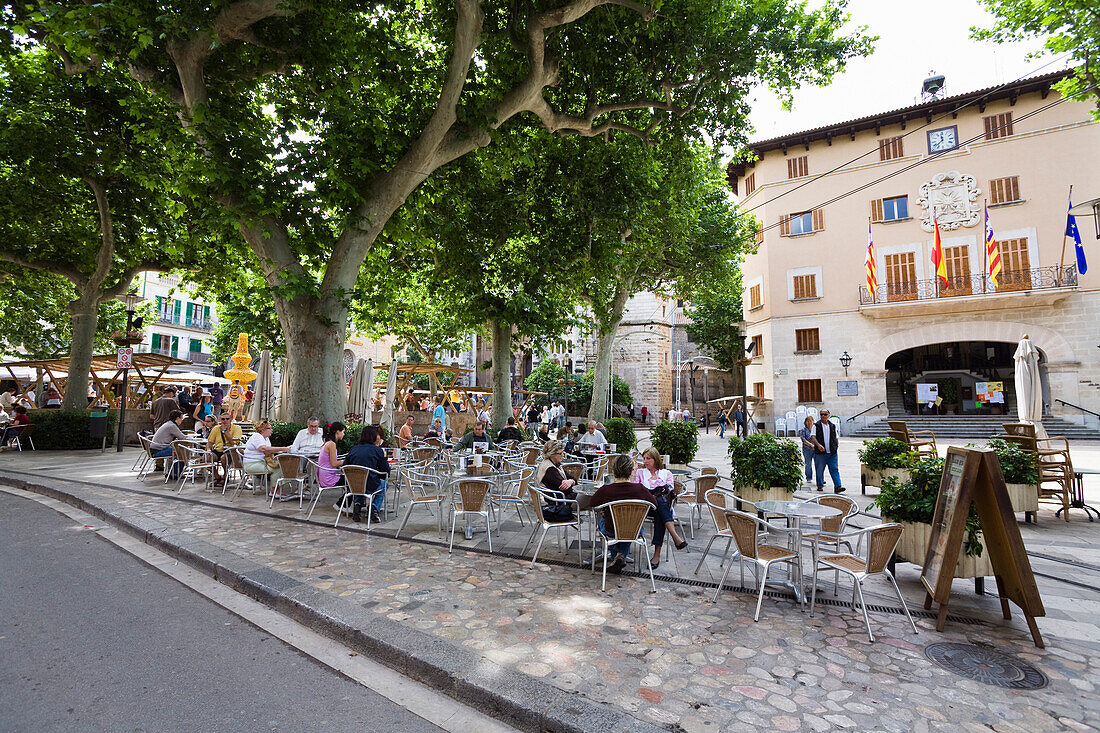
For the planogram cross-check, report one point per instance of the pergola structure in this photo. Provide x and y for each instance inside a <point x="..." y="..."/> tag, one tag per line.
<point x="104" y="373"/>
<point x="750" y="402"/>
<point x="407" y="371"/>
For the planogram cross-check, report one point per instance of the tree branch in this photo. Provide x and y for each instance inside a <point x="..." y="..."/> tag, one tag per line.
<point x="106" y="255"/>
<point x="70" y="273"/>
<point x="128" y="276"/>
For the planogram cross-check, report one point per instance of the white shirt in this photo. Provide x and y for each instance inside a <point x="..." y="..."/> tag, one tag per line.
<point x="594" y="438"/>
<point x="648" y="480"/>
<point x="252" y="448"/>
<point x="306" y="442"/>
<point x="826" y="428"/>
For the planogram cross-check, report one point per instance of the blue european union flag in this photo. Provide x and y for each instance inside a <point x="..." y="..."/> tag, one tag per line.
<point x="1072" y="231"/>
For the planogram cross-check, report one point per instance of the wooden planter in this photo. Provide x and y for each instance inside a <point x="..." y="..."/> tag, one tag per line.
<point x="1024" y="497"/>
<point x="775" y="493"/>
<point x="913" y="547"/>
<point x="874" y="477"/>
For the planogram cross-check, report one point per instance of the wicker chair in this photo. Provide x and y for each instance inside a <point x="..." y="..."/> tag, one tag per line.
<point x="1055" y="464"/>
<point x="356" y="479"/>
<point x="424" y="490"/>
<point x="745" y="529"/>
<point x="535" y="497"/>
<point x="531" y="455"/>
<point x="472" y="499"/>
<point x="196" y="460"/>
<point x="627" y="516"/>
<point x="513" y="487"/>
<point x="882" y="540"/>
<point x="921" y="442"/>
<point x="290" y="466"/>
<point x="828" y="533"/>
<point x="696" y="500"/>
<point x="718" y="502"/>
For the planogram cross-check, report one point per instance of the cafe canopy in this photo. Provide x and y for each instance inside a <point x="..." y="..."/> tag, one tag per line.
<point x="145" y="373"/>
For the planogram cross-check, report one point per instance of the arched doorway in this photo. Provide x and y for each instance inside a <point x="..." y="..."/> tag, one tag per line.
<point x="956" y="367"/>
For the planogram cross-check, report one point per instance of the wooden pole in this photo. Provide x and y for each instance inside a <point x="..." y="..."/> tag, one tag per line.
<point x="1062" y="259"/>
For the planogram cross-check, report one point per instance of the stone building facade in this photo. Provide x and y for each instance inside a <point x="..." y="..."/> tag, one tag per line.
<point x="1017" y="149"/>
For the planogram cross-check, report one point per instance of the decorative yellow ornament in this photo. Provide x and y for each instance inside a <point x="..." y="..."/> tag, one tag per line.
<point x="240" y="373"/>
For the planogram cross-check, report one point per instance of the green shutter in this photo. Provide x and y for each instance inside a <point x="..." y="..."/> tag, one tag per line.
<point x="196" y="346"/>
<point x="175" y="342"/>
<point x="156" y="341"/>
<point x="190" y="312"/>
<point x="176" y="312"/>
<point x="206" y="315"/>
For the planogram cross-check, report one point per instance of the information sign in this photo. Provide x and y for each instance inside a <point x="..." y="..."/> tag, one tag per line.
<point x="847" y="388"/>
<point x="125" y="358"/>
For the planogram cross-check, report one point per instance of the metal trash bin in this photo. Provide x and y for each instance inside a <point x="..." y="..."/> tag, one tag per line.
<point x="97" y="428"/>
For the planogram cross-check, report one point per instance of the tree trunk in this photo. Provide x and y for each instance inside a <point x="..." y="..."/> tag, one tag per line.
<point x="502" y="374"/>
<point x="608" y="325"/>
<point x="85" y="313"/>
<point x="313" y="382"/>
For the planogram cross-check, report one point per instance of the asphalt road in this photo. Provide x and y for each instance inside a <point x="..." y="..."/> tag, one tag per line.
<point x="94" y="640"/>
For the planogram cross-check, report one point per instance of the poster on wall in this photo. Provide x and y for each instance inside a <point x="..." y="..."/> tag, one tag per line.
<point x="847" y="388"/>
<point x="990" y="393"/>
<point x="927" y="392"/>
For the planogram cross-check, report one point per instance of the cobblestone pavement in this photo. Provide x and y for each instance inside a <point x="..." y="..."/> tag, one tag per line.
<point x="672" y="658"/>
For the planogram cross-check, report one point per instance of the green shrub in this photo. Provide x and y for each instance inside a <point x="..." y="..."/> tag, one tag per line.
<point x="880" y="453"/>
<point x="283" y="433"/>
<point x="68" y="429"/>
<point x="620" y="431"/>
<point x="1018" y="465"/>
<point x="762" y="460"/>
<point x="678" y="440"/>
<point x="915" y="501"/>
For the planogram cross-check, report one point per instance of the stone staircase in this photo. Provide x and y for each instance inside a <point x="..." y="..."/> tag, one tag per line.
<point x="979" y="427"/>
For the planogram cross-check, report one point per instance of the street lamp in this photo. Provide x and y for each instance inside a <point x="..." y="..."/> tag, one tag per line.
<point x="130" y="300"/>
<point x="845" y="361"/>
<point x="565" y="384"/>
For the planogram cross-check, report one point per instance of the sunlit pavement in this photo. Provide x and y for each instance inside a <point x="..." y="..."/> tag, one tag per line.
<point x="673" y="657"/>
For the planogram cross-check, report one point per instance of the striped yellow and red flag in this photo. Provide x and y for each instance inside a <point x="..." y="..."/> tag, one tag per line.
<point x="869" y="264"/>
<point x="939" y="265"/>
<point x="992" y="253"/>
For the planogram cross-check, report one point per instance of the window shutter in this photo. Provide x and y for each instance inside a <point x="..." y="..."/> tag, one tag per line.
<point x="996" y="191"/>
<point x="750" y="184"/>
<point x="1012" y="188"/>
<point x="1005" y="123"/>
<point x="876" y="210"/>
<point x="990" y="124"/>
<point x="759" y="236"/>
<point x="156" y="341"/>
<point x="818" y="220"/>
<point x="785" y="225"/>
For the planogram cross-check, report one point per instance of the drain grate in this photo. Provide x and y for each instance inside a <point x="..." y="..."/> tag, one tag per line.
<point x="985" y="665"/>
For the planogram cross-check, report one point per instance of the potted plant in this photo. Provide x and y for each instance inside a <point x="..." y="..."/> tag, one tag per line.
<point x="678" y="440"/>
<point x="765" y="467"/>
<point x="882" y="457"/>
<point x="128" y="338"/>
<point x="949" y="393"/>
<point x="912" y="503"/>
<point x="1021" y="472"/>
<point x="620" y="431"/>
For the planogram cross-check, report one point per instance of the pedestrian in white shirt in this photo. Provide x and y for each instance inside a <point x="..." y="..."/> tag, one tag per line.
<point x="309" y="439"/>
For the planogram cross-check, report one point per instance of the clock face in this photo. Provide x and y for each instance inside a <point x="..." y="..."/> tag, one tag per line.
<point x="946" y="138"/>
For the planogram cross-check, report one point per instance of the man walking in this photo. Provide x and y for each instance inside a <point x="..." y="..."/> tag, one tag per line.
<point x="739" y="421"/>
<point x="825" y="453"/>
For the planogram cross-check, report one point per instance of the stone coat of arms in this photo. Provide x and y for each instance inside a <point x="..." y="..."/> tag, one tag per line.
<point x="954" y="198"/>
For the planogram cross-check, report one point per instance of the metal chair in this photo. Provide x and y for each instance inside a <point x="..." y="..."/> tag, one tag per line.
<point x="16" y="434"/>
<point x="627" y="517"/>
<point x="882" y="540"/>
<point x="574" y="470"/>
<point x="513" y="486"/>
<point x="830" y="529"/>
<point x="472" y="494"/>
<point x="196" y="460"/>
<point x="744" y="528"/>
<point x="424" y="490"/>
<point x="290" y="466"/>
<point x="696" y="500"/>
<point x="146" y="460"/>
<point x="536" y="497"/>
<point x="718" y="501"/>
<point x="318" y="490"/>
<point x="356" y="479"/>
<point x="531" y="455"/>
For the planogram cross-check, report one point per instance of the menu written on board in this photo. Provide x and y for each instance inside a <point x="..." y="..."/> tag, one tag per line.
<point x="950" y="493"/>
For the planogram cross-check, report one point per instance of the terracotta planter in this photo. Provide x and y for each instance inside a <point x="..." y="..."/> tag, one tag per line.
<point x="913" y="547"/>
<point x="1024" y="497"/>
<point x="774" y="493"/>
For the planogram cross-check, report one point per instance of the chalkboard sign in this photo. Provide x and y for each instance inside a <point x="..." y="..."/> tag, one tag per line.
<point x="972" y="476"/>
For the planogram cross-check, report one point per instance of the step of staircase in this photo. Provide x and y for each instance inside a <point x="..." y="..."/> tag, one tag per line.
<point x="979" y="427"/>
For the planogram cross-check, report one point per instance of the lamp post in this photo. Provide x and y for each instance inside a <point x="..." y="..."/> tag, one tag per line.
<point x="565" y="384"/>
<point x="130" y="300"/>
<point x="845" y="361"/>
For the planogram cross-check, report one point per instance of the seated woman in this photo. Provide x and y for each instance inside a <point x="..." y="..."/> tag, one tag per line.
<point x="327" y="459"/>
<point x="203" y="408"/>
<point x="544" y="432"/>
<point x="369" y="453"/>
<point x="551" y="476"/>
<point x="258" y="448"/>
<point x="166" y="433"/>
<point x="204" y="426"/>
<point x="622" y="468"/>
<point x="654" y="476"/>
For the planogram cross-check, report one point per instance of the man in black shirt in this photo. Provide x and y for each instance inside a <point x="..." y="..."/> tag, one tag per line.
<point x="510" y="432"/>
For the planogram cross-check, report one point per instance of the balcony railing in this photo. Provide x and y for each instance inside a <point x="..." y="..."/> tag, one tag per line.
<point x="198" y="357"/>
<point x="177" y="320"/>
<point x="1040" y="278"/>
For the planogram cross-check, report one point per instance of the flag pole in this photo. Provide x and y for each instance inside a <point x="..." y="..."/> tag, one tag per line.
<point x="985" y="244"/>
<point x="1065" y="236"/>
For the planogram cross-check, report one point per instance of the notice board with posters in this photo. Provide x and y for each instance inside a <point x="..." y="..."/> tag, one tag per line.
<point x="972" y="476"/>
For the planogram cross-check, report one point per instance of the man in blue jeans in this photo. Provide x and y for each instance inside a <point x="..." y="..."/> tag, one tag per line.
<point x="825" y="453"/>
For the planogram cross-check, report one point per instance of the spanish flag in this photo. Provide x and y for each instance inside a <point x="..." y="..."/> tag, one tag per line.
<point x="938" y="263"/>
<point x="992" y="253"/>
<point x="872" y="277"/>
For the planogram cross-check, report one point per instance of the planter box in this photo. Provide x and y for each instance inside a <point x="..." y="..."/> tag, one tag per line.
<point x="913" y="547"/>
<point x="874" y="477"/>
<point x="775" y="493"/>
<point x="1024" y="497"/>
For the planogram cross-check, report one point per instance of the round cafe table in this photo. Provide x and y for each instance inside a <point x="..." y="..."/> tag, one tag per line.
<point x="796" y="511"/>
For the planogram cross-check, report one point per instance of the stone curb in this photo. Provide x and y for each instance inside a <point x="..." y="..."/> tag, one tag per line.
<point x="517" y="699"/>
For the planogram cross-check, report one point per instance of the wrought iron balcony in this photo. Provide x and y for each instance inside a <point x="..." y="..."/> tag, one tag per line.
<point x="1040" y="278"/>
<point x="198" y="357"/>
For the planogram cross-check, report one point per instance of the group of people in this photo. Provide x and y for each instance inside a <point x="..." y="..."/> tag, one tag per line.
<point x="13" y="417"/>
<point x="820" y="443"/>
<point x="650" y="482"/>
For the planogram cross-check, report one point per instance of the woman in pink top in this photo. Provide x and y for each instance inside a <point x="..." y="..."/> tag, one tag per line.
<point x="654" y="476"/>
<point x="327" y="460"/>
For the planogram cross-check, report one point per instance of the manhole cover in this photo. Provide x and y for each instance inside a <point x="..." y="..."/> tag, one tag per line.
<point x="986" y="665"/>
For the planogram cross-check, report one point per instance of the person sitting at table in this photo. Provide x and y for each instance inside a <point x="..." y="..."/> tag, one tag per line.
<point x="203" y="407"/>
<point x="509" y="432"/>
<point x="654" y="476"/>
<point x="186" y="404"/>
<point x="309" y="439"/>
<point x="204" y="426"/>
<point x="550" y="475"/>
<point x="257" y="451"/>
<point x="477" y="440"/>
<point x="622" y="468"/>
<point x="19" y="418"/>
<point x="435" y="430"/>
<point x="369" y="453"/>
<point x="166" y="433"/>
<point x="328" y="458"/>
<point x="223" y="437"/>
<point x="544" y="432"/>
<point x="593" y="437"/>
<point x="405" y="434"/>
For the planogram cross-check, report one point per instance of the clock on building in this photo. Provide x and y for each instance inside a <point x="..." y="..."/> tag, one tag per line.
<point x="945" y="138"/>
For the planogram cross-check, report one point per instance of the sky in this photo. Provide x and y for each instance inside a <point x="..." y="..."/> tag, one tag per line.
<point x="914" y="38"/>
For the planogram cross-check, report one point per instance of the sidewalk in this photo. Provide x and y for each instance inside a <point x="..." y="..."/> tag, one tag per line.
<point x="546" y="649"/>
